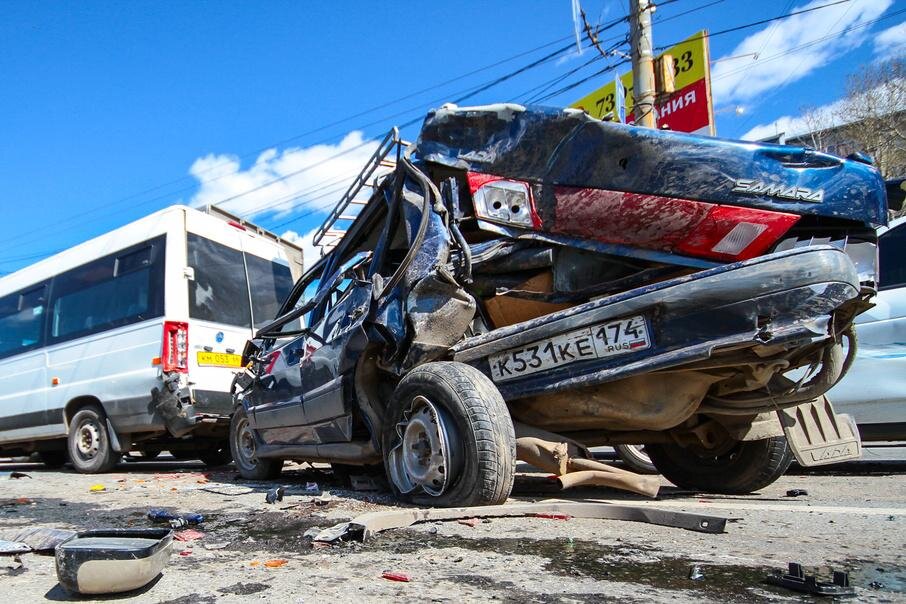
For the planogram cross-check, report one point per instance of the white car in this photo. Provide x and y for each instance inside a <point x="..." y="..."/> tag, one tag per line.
<point x="874" y="389"/>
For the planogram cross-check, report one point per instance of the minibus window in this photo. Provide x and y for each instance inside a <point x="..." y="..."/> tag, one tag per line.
<point x="21" y="321"/>
<point x="220" y="291"/>
<point x="270" y="284"/>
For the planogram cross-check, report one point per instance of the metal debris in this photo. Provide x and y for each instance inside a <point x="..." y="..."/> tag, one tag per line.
<point x="367" y="525"/>
<point x="797" y="580"/>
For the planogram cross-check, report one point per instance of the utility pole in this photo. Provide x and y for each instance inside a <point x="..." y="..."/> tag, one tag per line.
<point x="642" y="62"/>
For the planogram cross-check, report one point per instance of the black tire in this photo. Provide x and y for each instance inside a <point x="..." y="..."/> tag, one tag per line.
<point x="89" y="443"/>
<point x="53" y="459"/>
<point x="242" y="447"/>
<point x="635" y="457"/>
<point x="746" y="467"/>
<point x="481" y="465"/>
<point x="216" y="456"/>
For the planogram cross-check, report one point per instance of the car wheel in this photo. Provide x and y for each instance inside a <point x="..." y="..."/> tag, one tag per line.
<point x="449" y="438"/>
<point x="740" y="468"/>
<point x="53" y="459"/>
<point x="635" y="457"/>
<point x="242" y="446"/>
<point x="89" y="443"/>
<point x="216" y="456"/>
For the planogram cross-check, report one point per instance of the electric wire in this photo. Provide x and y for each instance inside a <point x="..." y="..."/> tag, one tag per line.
<point x="754" y="23"/>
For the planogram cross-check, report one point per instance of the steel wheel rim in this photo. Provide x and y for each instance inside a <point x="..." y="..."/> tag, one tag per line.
<point x="88" y="439"/>
<point x="245" y="443"/>
<point x="427" y="455"/>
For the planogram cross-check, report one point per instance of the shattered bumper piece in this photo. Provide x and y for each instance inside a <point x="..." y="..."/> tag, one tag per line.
<point x="112" y="560"/>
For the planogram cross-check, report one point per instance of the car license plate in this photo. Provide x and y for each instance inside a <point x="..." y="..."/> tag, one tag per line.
<point x="595" y="342"/>
<point x="219" y="359"/>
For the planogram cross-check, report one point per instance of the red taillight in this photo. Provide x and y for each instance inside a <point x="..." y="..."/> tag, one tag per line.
<point x="175" y="354"/>
<point x="503" y="200"/>
<point x="236" y="225"/>
<point x="684" y="226"/>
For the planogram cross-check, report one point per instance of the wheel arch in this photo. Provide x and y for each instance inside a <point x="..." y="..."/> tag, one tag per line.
<point x="78" y="403"/>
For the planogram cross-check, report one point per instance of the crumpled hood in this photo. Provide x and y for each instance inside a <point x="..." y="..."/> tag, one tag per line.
<point x="567" y="147"/>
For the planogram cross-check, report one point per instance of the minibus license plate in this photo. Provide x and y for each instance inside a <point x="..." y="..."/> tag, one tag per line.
<point x="219" y="359"/>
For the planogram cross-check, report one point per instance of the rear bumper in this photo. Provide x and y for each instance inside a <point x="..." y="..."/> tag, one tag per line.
<point x="782" y="298"/>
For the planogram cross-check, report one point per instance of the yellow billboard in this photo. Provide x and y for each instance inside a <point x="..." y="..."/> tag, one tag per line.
<point x="692" y="72"/>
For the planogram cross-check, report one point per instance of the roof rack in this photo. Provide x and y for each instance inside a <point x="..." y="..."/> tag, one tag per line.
<point x="342" y="213"/>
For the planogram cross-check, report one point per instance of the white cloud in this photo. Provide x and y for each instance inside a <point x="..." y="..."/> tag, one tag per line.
<point x="733" y="81"/>
<point x="311" y="178"/>
<point x="891" y="42"/>
<point x="881" y="99"/>
<point x="310" y="253"/>
<point x="795" y="125"/>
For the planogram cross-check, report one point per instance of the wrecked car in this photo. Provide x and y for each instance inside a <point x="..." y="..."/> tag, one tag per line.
<point x="540" y="276"/>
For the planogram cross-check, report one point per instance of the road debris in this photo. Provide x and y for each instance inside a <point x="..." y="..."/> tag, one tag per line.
<point x="392" y="576"/>
<point x="37" y="539"/>
<point x="367" y="525"/>
<point x="188" y="535"/>
<point x="16" y="501"/>
<point x="473" y="522"/>
<point x="572" y="470"/>
<point x="112" y="560"/>
<point x="797" y="580"/>
<point x="797" y="493"/>
<point x="552" y="516"/>
<point x="14" y="563"/>
<point x="175" y="521"/>
<point x="13" y="475"/>
<point x="274" y="495"/>
<point x="97" y="488"/>
<point x="13" y="547"/>
<point x="695" y="573"/>
<point x="276" y="563"/>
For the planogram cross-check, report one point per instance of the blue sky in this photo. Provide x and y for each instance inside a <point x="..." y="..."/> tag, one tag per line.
<point x="111" y="110"/>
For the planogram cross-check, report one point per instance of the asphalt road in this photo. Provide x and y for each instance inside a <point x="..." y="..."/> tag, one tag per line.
<point x="851" y="519"/>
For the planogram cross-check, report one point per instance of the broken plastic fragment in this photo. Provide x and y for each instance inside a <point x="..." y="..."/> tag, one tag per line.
<point x="276" y="563"/>
<point x="391" y="576"/>
<point x="97" y="488"/>
<point x="552" y="516"/>
<point x="188" y="535"/>
<point x="13" y="547"/>
<point x="796" y="493"/>
<point x="274" y="495"/>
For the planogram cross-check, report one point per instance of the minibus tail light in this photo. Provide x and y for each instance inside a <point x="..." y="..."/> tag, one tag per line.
<point x="175" y="355"/>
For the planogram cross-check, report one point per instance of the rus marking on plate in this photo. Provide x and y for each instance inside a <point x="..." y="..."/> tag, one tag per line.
<point x="617" y="337"/>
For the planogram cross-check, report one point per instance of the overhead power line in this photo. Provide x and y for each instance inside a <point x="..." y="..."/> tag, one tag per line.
<point x="754" y="24"/>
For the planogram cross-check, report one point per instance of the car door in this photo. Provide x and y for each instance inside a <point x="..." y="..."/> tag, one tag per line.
<point x="276" y="401"/>
<point x="337" y="339"/>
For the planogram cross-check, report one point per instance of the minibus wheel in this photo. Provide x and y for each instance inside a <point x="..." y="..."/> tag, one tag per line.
<point x="89" y="443"/>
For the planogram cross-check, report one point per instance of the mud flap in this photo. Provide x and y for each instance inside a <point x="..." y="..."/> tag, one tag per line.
<point x="818" y="436"/>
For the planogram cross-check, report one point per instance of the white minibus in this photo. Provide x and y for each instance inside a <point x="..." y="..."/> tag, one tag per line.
<point x="129" y="341"/>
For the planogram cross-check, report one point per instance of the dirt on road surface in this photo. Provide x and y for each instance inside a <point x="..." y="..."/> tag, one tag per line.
<point x="851" y="519"/>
